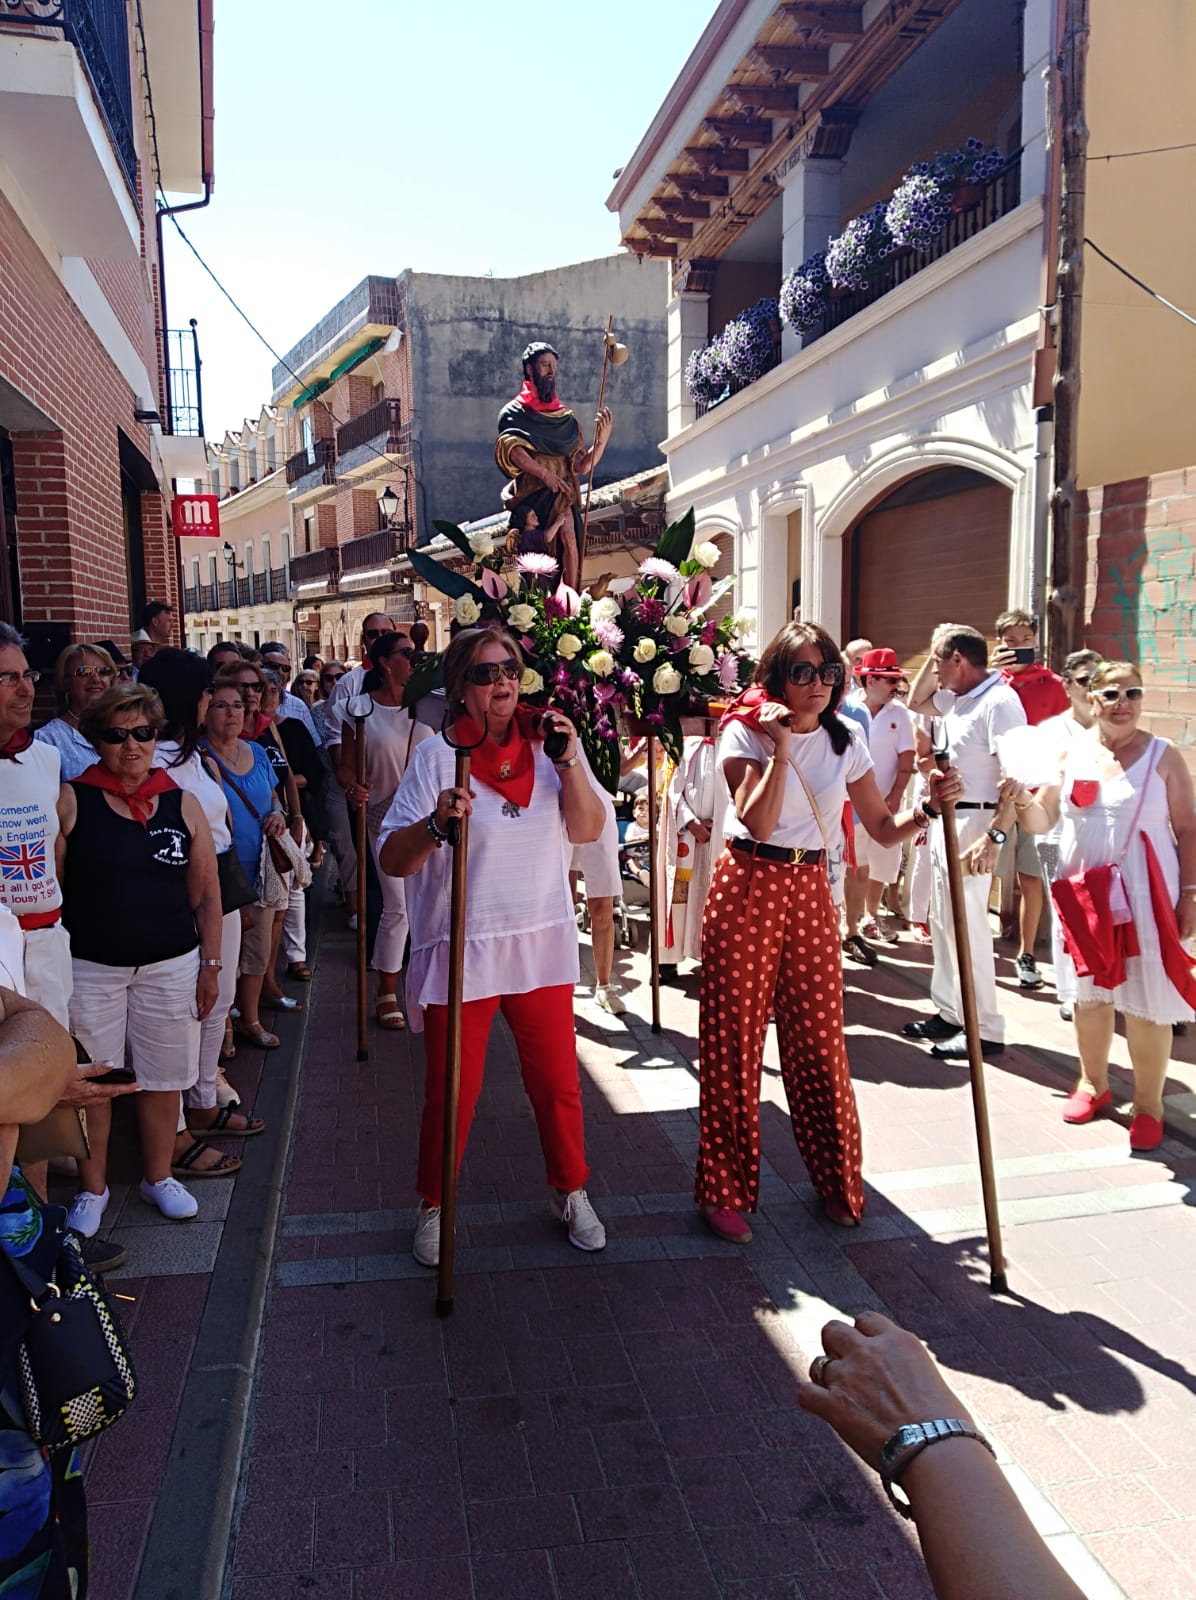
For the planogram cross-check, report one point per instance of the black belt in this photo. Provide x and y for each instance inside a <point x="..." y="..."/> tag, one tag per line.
<point x="975" y="805"/>
<point x="774" y="852"/>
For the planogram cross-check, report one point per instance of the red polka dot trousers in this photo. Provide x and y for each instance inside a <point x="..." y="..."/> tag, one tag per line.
<point x="770" y="941"/>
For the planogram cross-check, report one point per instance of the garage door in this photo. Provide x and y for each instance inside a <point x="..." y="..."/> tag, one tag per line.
<point x="936" y="550"/>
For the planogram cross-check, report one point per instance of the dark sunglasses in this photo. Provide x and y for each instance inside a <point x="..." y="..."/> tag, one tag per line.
<point x="143" y="735"/>
<point x="331" y="677"/>
<point x="1081" y="682"/>
<point x="1112" y="696"/>
<point x="802" y="674"/>
<point x="487" y="673"/>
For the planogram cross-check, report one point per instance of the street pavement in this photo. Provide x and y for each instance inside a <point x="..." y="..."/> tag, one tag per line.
<point x="624" y="1424"/>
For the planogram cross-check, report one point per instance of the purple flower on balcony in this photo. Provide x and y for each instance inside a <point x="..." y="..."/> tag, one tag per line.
<point x="651" y="611"/>
<point x="920" y="206"/>
<point x="804" y="293"/>
<point x="705" y="374"/>
<point x="864" y="243"/>
<point x="749" y="341"/>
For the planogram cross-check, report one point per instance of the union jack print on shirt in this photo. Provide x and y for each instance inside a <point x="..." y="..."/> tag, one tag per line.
<point x="23" y="861"/>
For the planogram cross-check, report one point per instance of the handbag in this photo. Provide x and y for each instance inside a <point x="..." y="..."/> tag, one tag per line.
<point x="73" y="1369"/>
<point x="282" y="861"/>
<point x="235" y="888"/>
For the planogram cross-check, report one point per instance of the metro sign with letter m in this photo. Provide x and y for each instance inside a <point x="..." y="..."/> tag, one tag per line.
<point x="196" y="516"/>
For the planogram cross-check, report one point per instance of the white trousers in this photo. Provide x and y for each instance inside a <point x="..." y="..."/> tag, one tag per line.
<point x="202" y="1095"/>
<point x="150" y="1010"/>
<point x="944" y="987"/>
<point x="391" y="938"/>
<point x="49" y="977"/>
<point x="294" y="928"/>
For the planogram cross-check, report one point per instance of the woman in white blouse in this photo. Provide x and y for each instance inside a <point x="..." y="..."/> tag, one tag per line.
<point x="770" y="937"/>
<point x="526" y="812"/>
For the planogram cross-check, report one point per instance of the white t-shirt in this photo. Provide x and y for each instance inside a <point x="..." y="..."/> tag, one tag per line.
<point x="391" y="738"/>
<point x="29" y="787"/>
<point x="890" y="735"/>
<point x="973" y="723"/>
<point x="193" y="779"/>
<point x="826" y="773"/>
<point x="520" y="931"/>
<point x="337" y="704"/>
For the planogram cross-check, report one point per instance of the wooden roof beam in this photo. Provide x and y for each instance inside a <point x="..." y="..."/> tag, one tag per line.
<point x="838" y="24"/>
<point x="797" y="61"/>
<point x="652" y="246"/>
<point x="707" y="188"/>
<point x="774" y="98"/>
<point x="754" y="133"/>
<point x="666" y="228"/>
<point x="695" y="210"/>
<point x="711" y="159"/>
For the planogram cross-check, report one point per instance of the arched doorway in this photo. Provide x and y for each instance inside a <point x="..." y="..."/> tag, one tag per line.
<point x="935" y="549"/>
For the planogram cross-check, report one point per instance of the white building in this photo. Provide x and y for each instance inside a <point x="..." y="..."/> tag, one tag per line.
<point x="887" y="473"/>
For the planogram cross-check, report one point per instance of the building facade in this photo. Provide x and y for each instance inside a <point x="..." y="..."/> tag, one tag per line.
<point x="88" y="439"/>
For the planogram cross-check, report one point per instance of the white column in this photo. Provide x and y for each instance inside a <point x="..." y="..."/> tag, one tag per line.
<point x="810" y="213"/>
<point x="1038" y="48"/>
<point x="688" y="329"/>
<point x="774" y="609"/>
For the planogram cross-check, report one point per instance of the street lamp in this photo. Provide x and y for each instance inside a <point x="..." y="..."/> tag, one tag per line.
<point x="388" y="505"/>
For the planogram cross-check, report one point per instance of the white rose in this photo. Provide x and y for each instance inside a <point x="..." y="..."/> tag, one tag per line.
<point x="481" y="544"/>
<point x="677" y="624"/>
<point x="701" y="658"/>
<point x="744" y="626"/>
<point x="645" y="650"/>
<point x="568" y="645"/>
<point x="531" y="682"/>
<point x="521" y="617"/>
<point x="706" y="555"/>
<point x="467" y="610"/>
<point x="601" y="663"/>
<point x="604" y="610"/>
<point x="666" y="679"/>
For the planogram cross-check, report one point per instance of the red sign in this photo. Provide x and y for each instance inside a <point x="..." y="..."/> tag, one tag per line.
<point x="196" y="516"/>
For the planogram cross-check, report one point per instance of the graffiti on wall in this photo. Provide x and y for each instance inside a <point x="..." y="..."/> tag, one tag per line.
<point x="1154" y="594"/>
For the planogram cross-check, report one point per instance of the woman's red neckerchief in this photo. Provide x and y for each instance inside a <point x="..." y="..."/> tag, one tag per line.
<point x="509" y="769"/>
<point x="157" y="782"/>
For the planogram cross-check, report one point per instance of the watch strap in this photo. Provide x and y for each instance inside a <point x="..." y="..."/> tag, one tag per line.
<point x="902" y="1446"/>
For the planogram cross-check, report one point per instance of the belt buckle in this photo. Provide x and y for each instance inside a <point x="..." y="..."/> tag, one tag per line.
<point x="798" y="858"/>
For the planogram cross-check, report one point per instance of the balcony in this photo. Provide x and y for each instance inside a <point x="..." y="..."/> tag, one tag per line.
<point x="373" y="551"/>
<point x="280" y="584"/>
<point x="310" y="471"/>
<point x="260" y="584"/>
<point x="201" y="597"/>
<point x="367" y="437"/>
<point x="318" y="569"/>
<point x="67" y="120"/>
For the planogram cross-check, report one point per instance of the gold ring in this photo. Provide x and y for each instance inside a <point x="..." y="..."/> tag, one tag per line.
<point x="818" y="1369"/>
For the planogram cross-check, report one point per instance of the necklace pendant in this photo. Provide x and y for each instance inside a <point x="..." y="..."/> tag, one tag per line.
<point x="510" y="809"/>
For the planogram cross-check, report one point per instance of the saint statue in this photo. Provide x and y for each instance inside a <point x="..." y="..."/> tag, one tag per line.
<point x="542" y="451"/>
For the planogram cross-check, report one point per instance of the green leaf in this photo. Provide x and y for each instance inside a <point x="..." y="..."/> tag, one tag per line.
<point x="603" y="756"/>
<point x="454" y="584"/>
<point x="451" y="531"/>
<point x="425" y="676"/>
<point x="677" y="540"/>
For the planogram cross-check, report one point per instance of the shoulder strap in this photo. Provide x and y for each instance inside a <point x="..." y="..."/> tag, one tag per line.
<point x="1155" y="749"/>
<point x="235" y="786"/>
<point x="809" y="793"/>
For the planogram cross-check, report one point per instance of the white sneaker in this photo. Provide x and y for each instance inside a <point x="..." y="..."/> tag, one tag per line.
<point x="171" y="1199"/>
<point x="226" y="1095"/>
<point x="585" y="1227"/>
<point x="86" y="1210"/>
<point x="609" y="998"/>
<point x="426" y="1245"/>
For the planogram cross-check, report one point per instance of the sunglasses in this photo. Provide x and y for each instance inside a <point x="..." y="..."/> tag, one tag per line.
<point x="93" y="672"/>
<point x="487" y="673"/>
<point x="1080" y="682"/>
<point x="143" y="735"/>
<point x="375" y="633"/>
<point x="331" y="677"/>
<point x="1112" y="697"/>
<point x="802" y="674"/>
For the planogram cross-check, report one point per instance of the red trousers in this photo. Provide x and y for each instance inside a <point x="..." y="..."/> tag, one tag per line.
<point x="542" y="1023"/>
<point x="770" y="940"/>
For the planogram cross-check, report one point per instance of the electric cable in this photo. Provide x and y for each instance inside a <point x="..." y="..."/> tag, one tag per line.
<point x="1145" y="287"/>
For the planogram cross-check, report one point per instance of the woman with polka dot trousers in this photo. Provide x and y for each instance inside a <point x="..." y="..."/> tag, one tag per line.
<point x="770" y="939"/>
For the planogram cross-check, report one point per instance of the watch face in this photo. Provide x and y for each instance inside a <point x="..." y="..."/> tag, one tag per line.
<point x="899" y="1442"/>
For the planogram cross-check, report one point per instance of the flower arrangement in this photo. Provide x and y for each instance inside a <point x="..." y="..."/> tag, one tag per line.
<point x="646" y="648"/>
<point x="973" y="162"/>
<point x="804" y="293"/>
<point x="748" y="342"/>
<point x="921" y="203"/>
<point x="705" y="375"/>
<point x="865" y="241"/>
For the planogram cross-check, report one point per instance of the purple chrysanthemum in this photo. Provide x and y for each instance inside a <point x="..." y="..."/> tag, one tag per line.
<point x="651" y="611"/>
<point x="665" y="571"/>
<point x="727" y="668"/>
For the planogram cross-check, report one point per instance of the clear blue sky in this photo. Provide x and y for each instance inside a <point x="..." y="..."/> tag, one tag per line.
<point x="383" y="134"/>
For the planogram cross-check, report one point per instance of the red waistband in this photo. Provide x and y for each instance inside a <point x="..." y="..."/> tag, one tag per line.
<point x="39" y="919"/>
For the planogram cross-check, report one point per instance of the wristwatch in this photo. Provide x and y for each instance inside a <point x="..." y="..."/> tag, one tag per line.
<point x="997" y="835"/>
<point x="211" y="961"/>
<point x="563" y="766"/>
<point x="900" y="1448"/>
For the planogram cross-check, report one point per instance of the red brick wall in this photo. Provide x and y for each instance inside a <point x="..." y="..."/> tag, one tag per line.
<point x="1139" y="544"/>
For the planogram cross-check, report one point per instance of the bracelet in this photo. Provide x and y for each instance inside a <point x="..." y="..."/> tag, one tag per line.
<point x="930" y="811"/>
<point x="435" y="830"/>
<point x="900" y="1448"/>
<point x="564" y="766"/>
<point x="211" y="961"/>
<point x="1187" y="894"/>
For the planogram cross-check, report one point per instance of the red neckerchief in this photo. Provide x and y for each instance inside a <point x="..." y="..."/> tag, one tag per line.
<point x="509" y="769"/>
<point x="528" y="397"/>
<point x="21" y="740"/>
<point x="250" y="735"/>
<point x="746" y="708"/>
<point x="157" y="782"/>
<point x="1177" y="963"/>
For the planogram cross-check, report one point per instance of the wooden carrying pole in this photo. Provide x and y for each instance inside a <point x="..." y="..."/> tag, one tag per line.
<point x="967" y="993"/>
<point x="362" y="846"/>
<point x="654" y="929"/>
<point x="459" y="840"/>
<point x="585" y="520"/>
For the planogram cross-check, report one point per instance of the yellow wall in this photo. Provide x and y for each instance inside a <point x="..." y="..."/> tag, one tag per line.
<point x="1138" y="395"/>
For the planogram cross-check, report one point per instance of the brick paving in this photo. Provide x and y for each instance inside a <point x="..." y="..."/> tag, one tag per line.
<point x="624" y="1424"/>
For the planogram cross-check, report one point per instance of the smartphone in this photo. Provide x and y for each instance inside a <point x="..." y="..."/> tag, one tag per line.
<point x="556" y="742"/>
<point x="116" y="1075"/>
<point x="1024" y="655"/>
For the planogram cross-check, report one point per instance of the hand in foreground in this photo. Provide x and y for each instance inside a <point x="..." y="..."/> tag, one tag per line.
<point x="207" y="986"/>
<point x="557" y="722"/>
<point x="274" y="825"/>
<point x="982" y="857"/>
<point x="1013" y="791"/>
<point x="700" y="830"/>
<point x="1185" y="917"/>
<point x="945" y="787"/>
<point x="452" y="804"/>
<point x="774" y="724"/>
<point x="84" y="1091"/>
<point x="878" y="1378"/>
<point x="603" y="423"/>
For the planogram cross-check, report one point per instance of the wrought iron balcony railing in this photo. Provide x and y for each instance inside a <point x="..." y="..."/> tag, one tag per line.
<point x="279" y="584"/>
<point x="316" y="566"/>
<point x="373" y="549"/>
<point x="320" y="458"/>
<point x="380" y="421"/>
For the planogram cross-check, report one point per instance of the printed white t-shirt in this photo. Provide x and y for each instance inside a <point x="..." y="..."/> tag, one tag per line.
<point x="826" y="773"/>
<point x="193" y="778"/>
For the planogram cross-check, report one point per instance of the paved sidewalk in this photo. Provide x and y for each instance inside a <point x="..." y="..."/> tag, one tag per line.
<point x="624" y="1424"/>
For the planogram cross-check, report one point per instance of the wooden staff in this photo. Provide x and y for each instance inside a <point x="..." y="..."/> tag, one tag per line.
<point x="607" y="340"/>
<point x="967" y="994"/>
<point x="362" y="846"/>
<point x="653" y="918"/>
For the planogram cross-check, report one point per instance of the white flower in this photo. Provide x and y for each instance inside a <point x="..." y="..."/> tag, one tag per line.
<point x="601" y="663"/>
<point x="645" y="650"/>
<point x="666" y="679"/>
<point x="531" y="682"/>
<point x="706" y="555"/>
<point x="701" y="658"/>
<point x="521" y="617"/>
<point x="677" y="624"/>
<point x="481" y="543"/>
<point x="467" y="610"/>
<point x="744" y="626"/>
<point x="604" y="610"/>
<point x="568" y="645"/>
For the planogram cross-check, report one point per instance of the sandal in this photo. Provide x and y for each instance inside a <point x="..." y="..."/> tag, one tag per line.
<point x="184" y="1166"/>
<point x="223" y="1124"/>
<point x="299" y="970"/>
<point x="254" y="1033"/>
<point x="229" y="1048"/>
<point x="389" y="1013"/>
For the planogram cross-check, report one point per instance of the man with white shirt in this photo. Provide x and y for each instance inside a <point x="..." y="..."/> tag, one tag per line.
<point x="974" y="707"/>
<point x="373" y="627"/>
<point x="890" y="734"/>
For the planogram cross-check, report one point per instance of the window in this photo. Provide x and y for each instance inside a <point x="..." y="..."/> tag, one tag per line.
<point x="271" y="453"/>
<point x="212" y="580"/>
<point x="309" y="440"/>
<point x="249" y="561"/>
<point x="195" y="573"/>
<point x="234" y="475"/>
<point x="310" y="541"/>
<point x="216" y="490"/>
<point x="266" y="562"/>
<point x="286" y="548"/>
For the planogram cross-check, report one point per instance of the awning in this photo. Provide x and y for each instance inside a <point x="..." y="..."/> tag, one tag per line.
<point x="350" y="362"/>
<point x="310" y="393"/>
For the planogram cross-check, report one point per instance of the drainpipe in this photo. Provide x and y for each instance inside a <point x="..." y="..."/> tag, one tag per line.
<point x="1040" y="535"/>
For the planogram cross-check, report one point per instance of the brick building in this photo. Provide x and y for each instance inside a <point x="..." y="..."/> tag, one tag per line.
<point x="88" y="445"/>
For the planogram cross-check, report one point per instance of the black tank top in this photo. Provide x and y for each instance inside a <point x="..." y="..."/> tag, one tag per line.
<point x="125" y="901"/>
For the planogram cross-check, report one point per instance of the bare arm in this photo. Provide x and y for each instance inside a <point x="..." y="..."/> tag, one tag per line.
<point x="584" y="812"/>
<point x="526" y="462"/>
<point x="905" y="768"/>
<point x="589" y="459"/>
<point x="1181" y="805"/>
<point x="924" y="688"/>
<point x="67" y="813"/>
<point x="405" y="850"/>
<point x="37" y="1060"/>
<point x="203" y="888"/>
